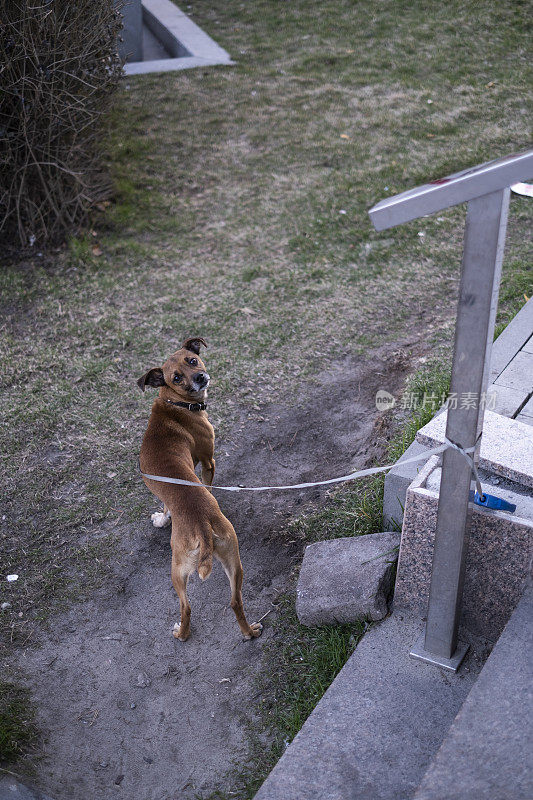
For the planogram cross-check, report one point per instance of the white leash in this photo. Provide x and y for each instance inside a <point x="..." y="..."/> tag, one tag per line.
<point x="351" y="477"/>
<point x="465" y="452"/>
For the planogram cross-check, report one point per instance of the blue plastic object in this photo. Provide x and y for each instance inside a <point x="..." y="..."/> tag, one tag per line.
<point x="490" y="501"/>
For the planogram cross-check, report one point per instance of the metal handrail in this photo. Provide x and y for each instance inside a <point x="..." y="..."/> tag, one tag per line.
<point x="486" y="188"/>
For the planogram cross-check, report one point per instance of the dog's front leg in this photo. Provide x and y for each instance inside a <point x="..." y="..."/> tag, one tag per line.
<point x="208" y="471"/>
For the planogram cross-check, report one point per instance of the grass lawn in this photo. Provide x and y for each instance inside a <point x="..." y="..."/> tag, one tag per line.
<point x="240" y="215"/>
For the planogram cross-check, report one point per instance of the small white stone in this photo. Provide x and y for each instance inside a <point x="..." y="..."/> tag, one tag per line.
<point x="12" y="578"/>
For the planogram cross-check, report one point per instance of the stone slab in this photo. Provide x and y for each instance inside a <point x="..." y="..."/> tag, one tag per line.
<point x="506" y="446"/>
<point x="511" y="340"/>
<point x="11" y="789"/>
<point x="397" y="481"/>
<point x="518" y="374"/>
<point x="374" y="732"/>
<point x="346" y="580"/>
<point x="487" y="752"/>
<point x="525" y="419"/>
<point x="504" y="401"/>
<point x="498" y="554"/>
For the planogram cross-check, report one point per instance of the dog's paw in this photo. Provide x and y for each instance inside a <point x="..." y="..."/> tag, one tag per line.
<point x="256" y="629"/>
<point x="177" y="634"/>
<point x="160" y="519"/>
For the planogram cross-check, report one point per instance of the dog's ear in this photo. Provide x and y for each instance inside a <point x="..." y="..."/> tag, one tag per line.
<point x="193" y="344"/>
<point x="154" y="377"/>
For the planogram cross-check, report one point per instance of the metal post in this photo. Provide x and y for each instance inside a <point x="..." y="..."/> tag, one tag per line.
<point x="485" y="189"/>
<point x="478" y="296"/>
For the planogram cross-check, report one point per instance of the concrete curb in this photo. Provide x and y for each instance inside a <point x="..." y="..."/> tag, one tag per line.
<point x="188" y="44"/>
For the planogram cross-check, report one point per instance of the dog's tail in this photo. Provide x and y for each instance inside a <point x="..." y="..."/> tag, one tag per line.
<point x="205" y="559"/>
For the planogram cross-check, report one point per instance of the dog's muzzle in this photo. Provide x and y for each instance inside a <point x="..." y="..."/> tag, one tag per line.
<point x="200" y="381"/>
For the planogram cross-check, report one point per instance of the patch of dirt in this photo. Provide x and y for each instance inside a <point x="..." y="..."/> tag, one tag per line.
<point x="127" y="710"/>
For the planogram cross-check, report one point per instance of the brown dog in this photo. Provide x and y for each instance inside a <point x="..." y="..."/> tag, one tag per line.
<point x="178" y="437"/>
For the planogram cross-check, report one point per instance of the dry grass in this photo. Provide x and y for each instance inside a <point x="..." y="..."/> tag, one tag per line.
<point x="227" y="223"/>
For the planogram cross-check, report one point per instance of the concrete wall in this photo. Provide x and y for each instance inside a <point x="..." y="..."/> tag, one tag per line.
<point x="130" y="48"/>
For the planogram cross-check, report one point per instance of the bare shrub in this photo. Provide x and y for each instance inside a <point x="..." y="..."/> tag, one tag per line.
<point x="59" y="67"/>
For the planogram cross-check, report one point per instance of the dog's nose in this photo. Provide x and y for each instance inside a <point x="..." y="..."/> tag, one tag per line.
<point x="201" y="378"/>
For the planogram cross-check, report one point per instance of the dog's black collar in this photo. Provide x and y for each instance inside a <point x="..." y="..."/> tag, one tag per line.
<point x="190" y="406"/>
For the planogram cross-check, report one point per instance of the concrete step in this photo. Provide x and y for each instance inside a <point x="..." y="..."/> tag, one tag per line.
<point x="512" y="339"/>
<point x="487" y="754"/>
<point x="375" y="731"/>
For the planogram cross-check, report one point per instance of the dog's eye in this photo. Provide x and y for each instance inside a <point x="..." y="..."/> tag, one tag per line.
<point x="192" y="361"/>
<point x="176" y="378"/>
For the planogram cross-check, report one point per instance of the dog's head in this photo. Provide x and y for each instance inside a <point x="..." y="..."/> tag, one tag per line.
<point x="184" y="374"/>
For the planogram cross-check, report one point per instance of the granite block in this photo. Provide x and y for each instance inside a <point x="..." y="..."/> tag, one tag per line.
<point x="497" y="562"/>
<point x="518" y="374"/>
<point x="346" y="580"/>
<point x="506" y="445"/>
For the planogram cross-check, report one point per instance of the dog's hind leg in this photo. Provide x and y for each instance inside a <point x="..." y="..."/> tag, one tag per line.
<point x="227" y="551"/>
<point x="180" y="576"/>
<point x="161" y="519"/>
